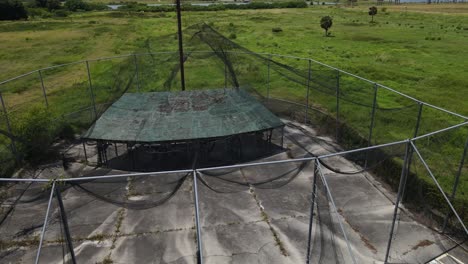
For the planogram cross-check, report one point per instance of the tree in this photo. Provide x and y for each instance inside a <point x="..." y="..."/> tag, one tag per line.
<point x="326" y="23"/>
<point x="74" y="5"/>
<point x="372" y="12"/>
<point x="12" y="10"/>
<point x="53" y="4"/>
<point x="41" y="3"/>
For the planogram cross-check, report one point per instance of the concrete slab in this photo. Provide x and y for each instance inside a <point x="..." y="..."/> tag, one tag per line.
<point x="175" y="213"/>
<point x="161" y="247"/>
<point x="129" y="220"/>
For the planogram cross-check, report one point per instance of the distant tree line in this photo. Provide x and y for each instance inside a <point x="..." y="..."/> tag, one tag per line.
<point x="138" y="7"/>
<point x="12" y="10"/>
<point x="15" y="9"/>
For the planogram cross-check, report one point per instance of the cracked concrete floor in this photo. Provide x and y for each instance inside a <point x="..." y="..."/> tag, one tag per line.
<point x="245" y="217"/>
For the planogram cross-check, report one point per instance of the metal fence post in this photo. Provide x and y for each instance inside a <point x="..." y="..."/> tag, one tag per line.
<point x="225" y="75"/>
<point x="418" y="121"/>
<point x="312" y="206"/>
<point x="268" y="77"/>
<point x="371" y="127"/>
<point x="65" y="224"/>
<point x="308" y="91"/>
<point x="197" y="218"/>
<point x="7" y="120"/>
<point x="439" y="187"/>
<point x="397" y="202"/>
<point x="137" y="72"/>
<point x="91" y="90"/>
<point x="455" y="184"/>
<point x="410" y="155"/>
<point x="43" y="88"/>
<point x="46" y="220"/>
<point x="337" y="106"/>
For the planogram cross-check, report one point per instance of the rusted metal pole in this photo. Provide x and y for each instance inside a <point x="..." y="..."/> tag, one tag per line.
<point x="181" y="49"/>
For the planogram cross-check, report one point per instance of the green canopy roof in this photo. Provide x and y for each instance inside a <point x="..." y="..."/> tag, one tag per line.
<point x="181" y="116"/>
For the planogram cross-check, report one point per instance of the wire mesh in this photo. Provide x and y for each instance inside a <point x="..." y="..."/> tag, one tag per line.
<point x="418" y="236"/>
<point x="256" y="213"/>
<point x="364" y="203"/>
<point x="22" y="211"/>
<point x="106" y="216"/>
<point x="246" y="213"/>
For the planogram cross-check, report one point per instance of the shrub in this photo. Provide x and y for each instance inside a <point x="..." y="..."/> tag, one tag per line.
<point x="39" y="12"/>
<point x="12" y="10"/>
<point x="326" y="23"/>
<point x="53" y="4"/>
<point x="232" y="36"/>
<point x="276" y="29"/>
<point x="75" y="5"/>
<point x="35" y="131"/>
<point x="61" y="13"/>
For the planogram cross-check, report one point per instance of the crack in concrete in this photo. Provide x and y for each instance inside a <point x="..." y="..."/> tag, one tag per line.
<point x="265" y="217"/>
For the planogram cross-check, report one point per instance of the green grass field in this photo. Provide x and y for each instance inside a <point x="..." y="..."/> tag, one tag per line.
<point x="419" y="50"/>
<point x="402" y="50"/>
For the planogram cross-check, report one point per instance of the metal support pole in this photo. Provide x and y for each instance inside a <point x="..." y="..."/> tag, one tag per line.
<point x="84" y="150"/>
<point x="268" y="78"/>
<point x="418" y="120"/>
<point x="7" y="120"/>
<point x="410" y="155"/>
<point x="46" y="220"/>
<point x="91" y="90"/>
<point x="181" y="47"/>
<point x="282" y="137"/>
<point x="197" y="218"/>
<point x="337" y="106"/>
<point x="65" y="225"/>
<point x="225" y="75"/>
<point x="455" y="184"/>
<point x="116" y="150"/>
<point x="312" y="207"/>
<point x="43" y="88"/>
<point x="371" y="127"/>
<point x="397" y="202"/>
<point x="137" y="72"/>
<point x="308" y="91"/>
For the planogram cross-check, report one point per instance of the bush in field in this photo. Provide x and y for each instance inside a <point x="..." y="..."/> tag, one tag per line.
<point x="41" y="3"/>
<point x="326" y="23"/>
<point x="34" y="131"/>
<point x="372" y="12"/>
<point x="75" y="5"/>
<point x="12" y="10"/>
<point x="53" y="5"/>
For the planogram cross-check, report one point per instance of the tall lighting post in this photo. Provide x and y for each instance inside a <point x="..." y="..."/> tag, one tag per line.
<point x="181" y="48"/>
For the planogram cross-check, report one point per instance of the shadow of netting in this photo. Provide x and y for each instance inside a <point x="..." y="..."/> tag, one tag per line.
<point x="22" y="212"/>
<point x="107" y="217"/>
<point x="419" y="236"/>
<point x="332" y="227"/>
<point x="365" y="196"/>
<point x="396" y="118"/>
<point x="256" y="213"/>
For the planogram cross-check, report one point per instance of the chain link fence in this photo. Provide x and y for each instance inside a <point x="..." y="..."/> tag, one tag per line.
<point x="364" y="123"/>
